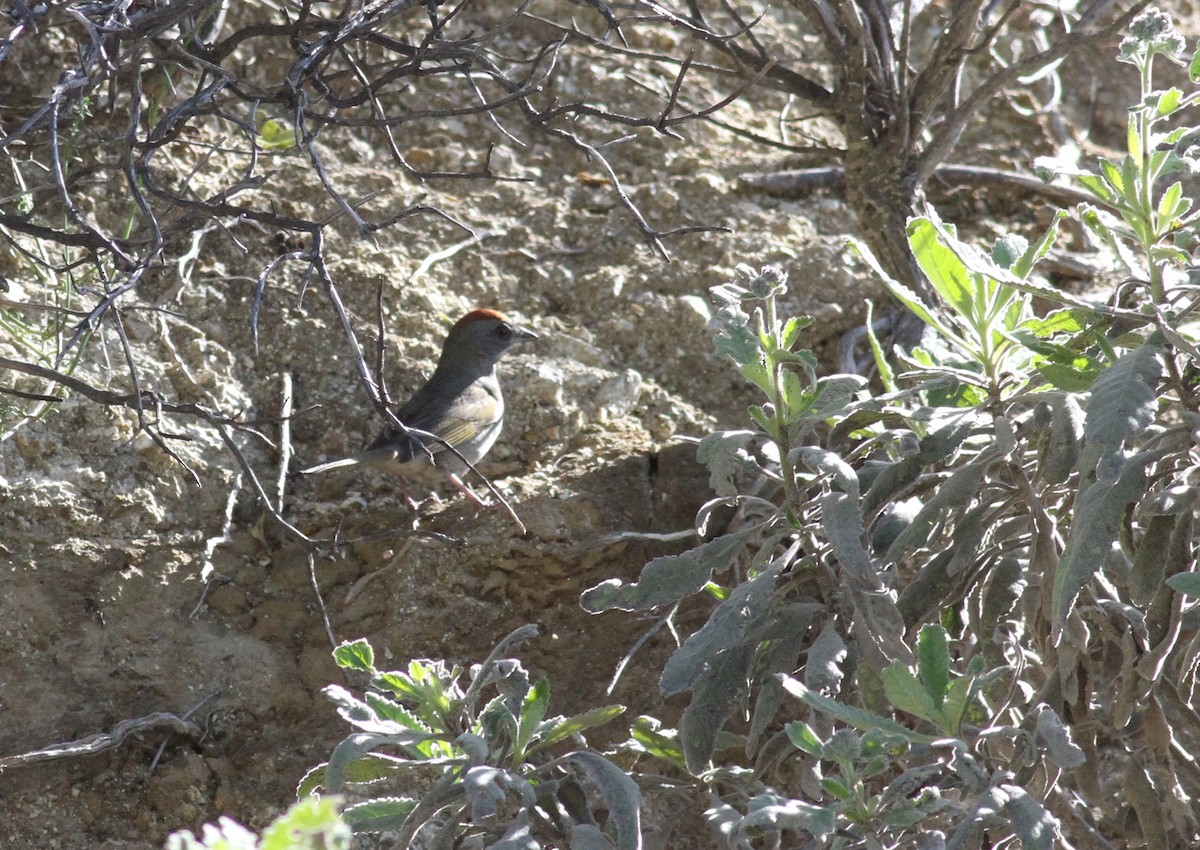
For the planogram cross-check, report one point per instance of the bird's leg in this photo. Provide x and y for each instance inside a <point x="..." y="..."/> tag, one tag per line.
<point x="480" y="504"/>
<point x="458" y="482"/>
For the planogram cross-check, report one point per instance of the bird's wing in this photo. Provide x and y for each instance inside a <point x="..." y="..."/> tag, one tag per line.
<point x="475" y="409"/>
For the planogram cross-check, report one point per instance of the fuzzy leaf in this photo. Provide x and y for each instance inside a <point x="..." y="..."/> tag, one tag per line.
<point x="844" y="525"/>
<point x="486" y="788"/>
<point x="955" y="492"/>
<point x="724" y="453"/>
<point x="829" y="463"/>
<point x="823" y="671"/>
<point x="1063" y="444"/>
<point x="351" y="749"/>
<point x="771" y="814"/>
<point x="1123" y="403"/>
<point x="1149" y="564"/>
<point x="718" y="690"/>
<point x="666" y="580"/>
<point x="1052" y="732"/>
<point x="787" y="635"/>
<point x="1099" y="510"/>
<point x="518" y="836"/>
<point x="620" y="794"/>
<point x="725" y="629"/>
<point x="833" y="394"/>
<point x="585" y="836"/>
<point x="1004" y="587"/>
<point x="1186" y="583"/>
<point x="1036" y="827"/>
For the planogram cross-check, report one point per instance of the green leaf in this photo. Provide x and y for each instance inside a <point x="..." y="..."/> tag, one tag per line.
<point x="859" y="718"/>
<point x="666" y="580"/>
<point x="797" y="398"/>
<point x="1075" y="377"/>
<point x="310" y="823"/>
<point x="905" y="295"/>
<point x="1171" y="205"/>
<point x="578" y="723"/>
<point x="648" y="735"/>
<point x="379" y="814"/>
<point x="803" y="738"/>
<point x="1095" y="184"/>
<point x="906" y="693"/>
<point x="1025" y="263"/>
<point x="765" y="421"/>
<point x="355" y="655"/>
<point x="886" y="374"/>
<point x="1169" y="101"/>
<point x="942" y="266"/>
<point x="389" y="709"/>
<point x="1066" y="320"/>
<point x="756" y="373"/>
<point x="277" y="135"/>
<point x="959" y="694"/>
<point x="933" y="660"/>
<point x="792" y="329"/>
<point x="837" y="788"/>
<point x="533" y="709"/>
<point x="1113" y="176"/>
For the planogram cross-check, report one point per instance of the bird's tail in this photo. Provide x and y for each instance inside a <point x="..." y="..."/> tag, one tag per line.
<point x="333" y="464"/>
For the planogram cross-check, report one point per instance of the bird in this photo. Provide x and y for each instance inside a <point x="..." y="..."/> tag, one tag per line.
<point x="461" y="403"/>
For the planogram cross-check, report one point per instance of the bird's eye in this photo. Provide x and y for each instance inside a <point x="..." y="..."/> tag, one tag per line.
<point x="504" y="332"/>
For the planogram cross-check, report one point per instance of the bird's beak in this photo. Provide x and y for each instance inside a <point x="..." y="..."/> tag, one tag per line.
<point x="523" y="334"/>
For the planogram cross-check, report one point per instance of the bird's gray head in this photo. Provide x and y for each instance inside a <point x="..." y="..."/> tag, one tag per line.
<point x="480" y="338"/>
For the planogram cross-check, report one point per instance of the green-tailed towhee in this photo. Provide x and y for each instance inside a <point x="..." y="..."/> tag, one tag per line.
<point x="461" y="403"/>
